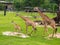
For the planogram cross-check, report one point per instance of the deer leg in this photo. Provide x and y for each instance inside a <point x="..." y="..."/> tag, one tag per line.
<point x="42" y="22"/>
<point x="46" y="30"/>
<point x="55" y="29"/>
<point x="26" y="28"/>
<point x="19" y="30"/>
<point x="15" y="29"/>
<point x="34" y="29"/>
<point x="54" y="32"/>
<point x="27" y="24"/>
<point x="31" y="31"/>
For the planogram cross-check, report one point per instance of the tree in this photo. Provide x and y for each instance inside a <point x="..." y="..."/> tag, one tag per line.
<point x="58" y="3"/>
<point x="1" y="6"/>
<point x="18" y="4"/>
<point x="33" y="3"/>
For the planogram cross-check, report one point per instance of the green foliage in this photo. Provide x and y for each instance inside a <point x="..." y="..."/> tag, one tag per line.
<point x="46" y="4"/>
<point x="1" y="6"/>
<point x="18" y="4"/>
<point x="33" y="3"/>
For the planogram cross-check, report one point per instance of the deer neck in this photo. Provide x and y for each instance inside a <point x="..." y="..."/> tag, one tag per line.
<point x="24" y="18"/>
<point x="44" y="17"/>
<point x="41" y="14"/>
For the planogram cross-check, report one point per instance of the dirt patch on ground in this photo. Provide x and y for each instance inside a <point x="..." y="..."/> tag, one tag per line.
<point x="57" y="35"/>
<point x="9" y="33"/>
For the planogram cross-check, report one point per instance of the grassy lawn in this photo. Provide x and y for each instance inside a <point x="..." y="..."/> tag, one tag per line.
<point x="38" y="39"/>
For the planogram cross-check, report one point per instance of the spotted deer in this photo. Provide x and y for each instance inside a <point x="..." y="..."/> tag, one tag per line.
<point x="29" y="22"/>
<point x="16" y="26"/>
<point x="46" y="20"/>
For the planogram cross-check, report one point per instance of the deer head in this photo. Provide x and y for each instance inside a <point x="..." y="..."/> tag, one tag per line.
<point x="36" y="8"/>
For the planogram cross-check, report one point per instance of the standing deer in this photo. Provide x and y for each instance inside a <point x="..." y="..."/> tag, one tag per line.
<point x="28" y="22"/>
<point x="16" y="26"/>
<point x="47" y="20"/>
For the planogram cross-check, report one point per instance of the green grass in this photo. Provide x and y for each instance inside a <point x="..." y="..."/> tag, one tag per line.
<point x="38" y="39"/>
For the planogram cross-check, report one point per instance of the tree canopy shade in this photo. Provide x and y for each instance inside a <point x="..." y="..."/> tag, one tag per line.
<point x="58" y="3"/>
<point x="33" y="3"/>
<point x="18" y="4"/>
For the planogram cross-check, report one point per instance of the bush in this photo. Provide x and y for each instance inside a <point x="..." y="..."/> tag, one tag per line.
<point x="1" y="7"/>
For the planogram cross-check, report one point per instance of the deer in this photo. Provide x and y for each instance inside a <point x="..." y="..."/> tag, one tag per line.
<point x="28" y="23"/>
<point x="16" y="26"/>
<point x="47" y="21"/>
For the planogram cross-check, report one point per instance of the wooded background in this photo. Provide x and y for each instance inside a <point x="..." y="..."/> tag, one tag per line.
<point x="45" y="4"/>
